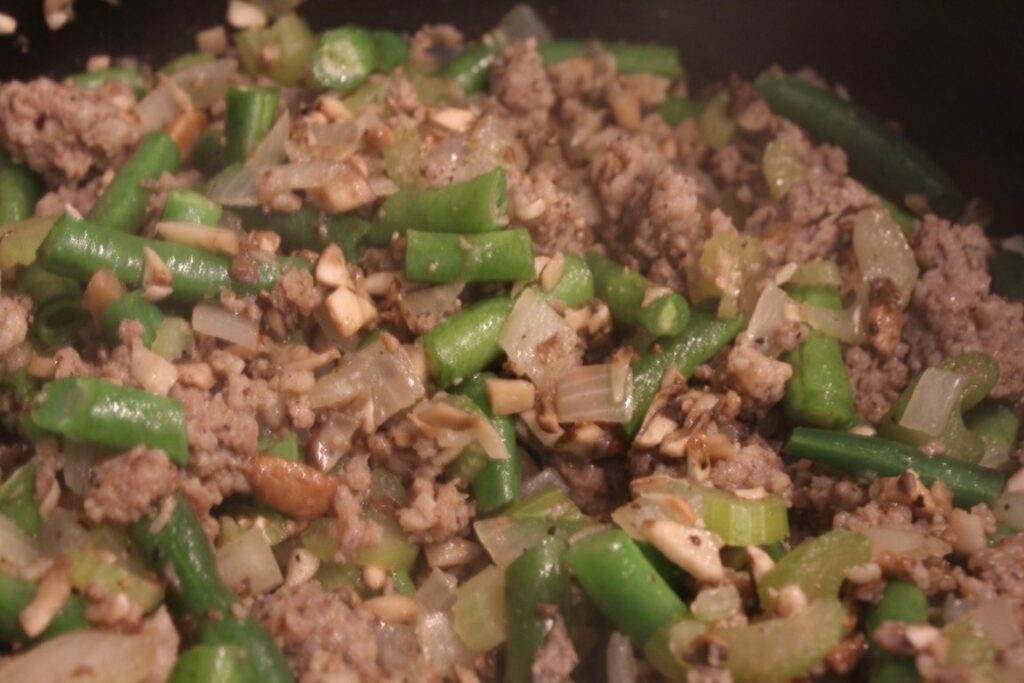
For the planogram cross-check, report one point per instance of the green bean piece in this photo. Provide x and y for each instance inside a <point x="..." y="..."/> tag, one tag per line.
<point x="129" y="76"/>
<point x="251" y="113"/>
<point x="18" y="498"/>
<point x="704" y="336"/>
<point x="58" y="322"/>
<point x="95" y="411"/>
<point x="675" y="110"/>
<point x="476" y="205"/>
<point x="122" y="206"/>
<point x="77" y="249"/>
<point x="819" y="393"/>
<point x="466" y="342"/>
<point x="776" y="550"/>
<point x="882" y="158"/>
<point x="623" y="584"/>
<point x="997" y="426"/>
<point x="576" y="285"/>
<point x="1006" y="269"/>
<point x="344" y="59"/>
<point x="131" y="306"/>
<point x="904" y="602"/>
<point x="535" y="579"/>
<point x="286" y="447"/>
<point x="208" y="153"/>
<point x="184" y="61"/>
<point x="845" y="452"/>
<point x="189" y="206"/>
<point x="41" y="285"/>
<point x="625" y="292"/>
<point x="18" y="388"/>
<point x="179" y="545"/>
<point x="500" y="256"/>
<point x="389" y="50"/>
<point x="979" y="373"/>
<point x="210" y="664"/>
<point x="310" y="229"/>
<point x="630" y="58"/>
<point x="402" y="582"/>
<point x="497" y="484"/>
<point x="19" y="191"/>
<point x="471" y="69"/>
<point x="16" y="595"/>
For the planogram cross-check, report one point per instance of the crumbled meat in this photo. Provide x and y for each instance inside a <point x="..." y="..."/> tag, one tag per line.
<point x="431" y="39"/>
<point x="759" y="379"/>
<point x="876" y="382"/>
<point x="518" y="79"/>
<point x="436" y="512"/>
<point x="1002" y="566"/>
<point x="126" y="486"/>
<point x="556" y="657"/>
<point x="63" y="131"/>
<point x="14" y="325"/>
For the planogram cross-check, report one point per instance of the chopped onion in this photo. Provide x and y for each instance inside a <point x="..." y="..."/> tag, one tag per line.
<point x="506" y="539"/>
<point x="217" y="321"/>
<point x="717" y="603"/>
<point x="595" y="393"/>
<point x="436" y="301"/>
<point x="389" y="378"/>
<point x="620" y="664"/>
<point x="248" y="561"/>
<point x="204" y="84"/>
<point x="768" y="316"/>
<point x="522" y="22"/>
<point x="20" y="241"/>
<point x="935" y="397"/>
<point x="782" y="166"/>
<point x="85" y="657"/>
<point x="303" y="175"/>
<point x="538" y="341"/>
<point x="16" y="548"/>
<point x="491" y="142"/>
<point x="548" y="476"/>
<point x="882" y="252"/>
<point x="843" y="325"/>
<point x="479" y="616"/>
<point x="77" y="460"/>
<point x="907" y="543"/>
<point x="236" y="186"/>
<point x="634" y="516"/>
<point x="207" y="237"/>
<point x="63" y="531"/>
<point x="270" y="150"/>
<point x="329" y="141"/>
<point x="817" y="273"/>
<point x="442" y="647"/>
<point x="454" y="428"/>
<point x="999" y="621"/>
<point x="437" y="593"/>
<point x="1009" y="509"/>
<point x="155" y="373"/>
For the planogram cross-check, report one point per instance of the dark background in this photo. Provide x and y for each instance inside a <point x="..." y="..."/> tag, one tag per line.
<point x="952" y="73"/>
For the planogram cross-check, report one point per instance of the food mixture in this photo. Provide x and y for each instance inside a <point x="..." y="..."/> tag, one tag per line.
<point x="360" y="356"/>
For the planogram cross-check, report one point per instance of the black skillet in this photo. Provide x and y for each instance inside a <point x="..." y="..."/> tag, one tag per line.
<point x="952" y="73"/>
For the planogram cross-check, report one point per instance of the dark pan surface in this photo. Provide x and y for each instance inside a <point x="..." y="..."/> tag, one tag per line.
<point x="952" y="73"/>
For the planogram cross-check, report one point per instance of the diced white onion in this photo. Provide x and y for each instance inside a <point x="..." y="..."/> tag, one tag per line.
<point x="539" y="343"/>
<point x="768" y="316"/>
<point x="437" y="592"/>
<point x="620" y="664"/>
<point x="438" y="301"/>
<point x="442" y="647"/>
<point x="935" y="397"/>
<point x="207" y="237"/>
<point x="843" y="324"/>
<point x="333" y="141"/>
<point x="217" y="321"/>
<point x="548" y="476"/>
<point x="389" y="378"/>
<point x="236" y="186"/>
<point x="204" y="84"/>
<point x="882" y="252"/>
<point x="303" y="175"/>
<point x="454" y="428"/>
<point x="506" y="539"/>
<point x="85" y="657"/>
<point x="1009" y="509"/>
<point x="248" y="562"/>
<point x="77" y="460"/>
<point x="595" y="393"/>
<point x="634" y="516"/>
<point x="16" y="548"/>
<point x="155" y="373"/>
<point x="270" y="150"/>
<point x="716" y="603"/>
<point x="906" y="543"/>
<point x="998" y="619"/>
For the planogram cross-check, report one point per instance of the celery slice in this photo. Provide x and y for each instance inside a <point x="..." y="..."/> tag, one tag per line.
<point x="479" y="616"/>
<point x="394" y="551"/>
<point x="818" y="566"/>
<point x="88" y="566"/>
<point x="742" y="521"/>
<point x="971" y="651"/>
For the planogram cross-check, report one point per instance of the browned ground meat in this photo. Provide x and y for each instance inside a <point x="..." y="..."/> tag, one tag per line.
<point x="125" y="486"/>
<point x="556" y="658"/>
<point x="13" y="322"/>
<point x="63" y="131"/>
<point x="876" y="383"/>
<point x="1002" y="566"/>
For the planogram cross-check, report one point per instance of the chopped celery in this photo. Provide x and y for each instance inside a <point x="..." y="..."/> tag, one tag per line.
<point x="173" y="339"/>
<point x="87" y="566"/>
<point x="333" y="576"/>
<point x="479" y="611"/>
<point x="286" y="447"/>
<point x="997" y="426"/>
<point x="817" y="274"/>
<point x="743" y="521"/>
<point x="394" y="551"/>
<point x="716" y="126"/>
<point x="782" y="166"/>
<point x="818" y="565"/>
<point x="318" y="538"/>
<point x="469" y="463"/>
<point x="247" y="562"/>
<point x="780" y="649"/>
<point x="677" y="109"/>
<point x="666" y="646"/>
<point x="402" y="158"/>
<point x="281" y="51"/>
<point x="550" y="502"/>
<point x="239" y="517"/>
<point x="18" y="499"/>
<point x="20" y="241"/>
<point x="729" y="268"/>
<point x="184" y="61"/>
<point x="971" y="652"/>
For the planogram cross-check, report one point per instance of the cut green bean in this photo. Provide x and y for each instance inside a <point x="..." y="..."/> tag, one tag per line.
<point x="704" y="336"/>
<point x="178" y="546"/>
<point x="208" y="155"/>
<point x="623" y="584"/>
<point x="189" y="206"/>
<point x="41" y="285"/>
<point x="626" y="293"/>
<point x="389" y="50"/>
<point x="210" y="664"/>
<point x="18" y="498"/>
<point x="286" y="447"/>
<point x="310" y="229"/>
<point x="1007" y="271"/>
<point x="77" y="249"/>
<point x="58" y="322"/>
<point x="344" y="59"/>
<point x="997" y="426"/>
<point x="16" y="595"/>
<point x="850" y="453"/>
<point x="675" y="110"/>
<point x="471" y="69"/>
<point x="126" y="75"/>
<point x="184" y="61"/>
<point x="289" y="39"/>
<point x="19" y="190"/>
<point x="904" y="602"/>
<point x="630" y="58"/>
<point x="123" y="205"/>
<point x="476" y="205"/>
<point x="576" y="285"/>
<point x="500" y="256"/>
<point x="251" y="113"/>
<point x="535" y="581"/>
<point x="131" y="306"/>
<point x="819" y="393"/>
<point x="95" y="411"/>
<point x="466" y="342"/>
<point x="497" y="484"/>
<point x="883" y="159"/>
